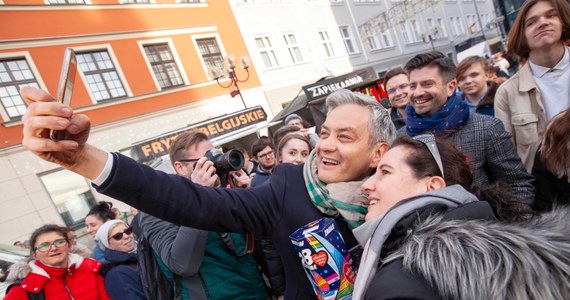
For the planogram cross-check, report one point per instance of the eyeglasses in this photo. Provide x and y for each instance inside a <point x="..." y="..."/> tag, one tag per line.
<point x="43" y="247"/>
<point x="428" y="139"/>
<point x="189" y="160"/>
<point x="266" y="155"/>
<point x="400" y="87"/>
<point x="119" y="235"/>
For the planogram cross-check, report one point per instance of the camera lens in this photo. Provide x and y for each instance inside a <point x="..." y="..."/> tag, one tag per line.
<point x="232" y="160"/>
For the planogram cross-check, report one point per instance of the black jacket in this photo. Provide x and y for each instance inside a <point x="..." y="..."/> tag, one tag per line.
<point x="276" y="208"/>
<point x="549" y="188"/>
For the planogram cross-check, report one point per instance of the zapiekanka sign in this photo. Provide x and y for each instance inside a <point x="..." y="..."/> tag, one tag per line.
<point x="323" y="88"/>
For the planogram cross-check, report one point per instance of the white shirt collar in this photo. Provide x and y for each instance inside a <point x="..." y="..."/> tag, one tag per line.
<point x="540" y="71"/>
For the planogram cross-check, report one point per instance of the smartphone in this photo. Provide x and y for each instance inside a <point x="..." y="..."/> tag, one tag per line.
<point x="65" y="86"/>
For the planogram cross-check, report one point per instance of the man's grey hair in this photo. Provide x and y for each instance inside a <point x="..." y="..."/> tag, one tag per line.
<point x="380" y="126"/>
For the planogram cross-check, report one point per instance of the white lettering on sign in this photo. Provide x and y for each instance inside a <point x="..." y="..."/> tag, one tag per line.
<point x="329" y="88"/>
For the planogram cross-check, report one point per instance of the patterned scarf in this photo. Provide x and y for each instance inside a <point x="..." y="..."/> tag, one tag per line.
<point x="334" y="199"/>
<point x="452" y="116"/>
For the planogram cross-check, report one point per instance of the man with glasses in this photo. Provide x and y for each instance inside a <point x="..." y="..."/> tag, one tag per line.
<point x="437" y="108"/>
<point x="398" y="88"/>
<point x="264" y="152"/>
<point x="356" y="133"/>
<point x="211" y="265"/>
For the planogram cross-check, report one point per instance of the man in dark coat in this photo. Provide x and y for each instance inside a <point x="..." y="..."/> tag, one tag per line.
<point x="353" y="138"/>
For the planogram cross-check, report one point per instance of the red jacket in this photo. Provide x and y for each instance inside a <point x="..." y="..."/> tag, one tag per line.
<point x="81" y="278"/>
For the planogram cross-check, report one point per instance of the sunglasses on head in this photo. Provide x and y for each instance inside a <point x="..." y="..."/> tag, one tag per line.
<point x="119" y="235"/>
<point x="428" y="140"/>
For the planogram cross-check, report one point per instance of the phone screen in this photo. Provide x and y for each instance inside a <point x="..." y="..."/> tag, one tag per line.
<point x="65" y="86"/>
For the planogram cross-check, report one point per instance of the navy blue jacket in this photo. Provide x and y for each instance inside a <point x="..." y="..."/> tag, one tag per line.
<point x="122" y="278"/>
<point x="276" y="208"/>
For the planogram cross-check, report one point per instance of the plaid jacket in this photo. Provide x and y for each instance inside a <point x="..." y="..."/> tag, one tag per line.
<point x="492" y="155"/>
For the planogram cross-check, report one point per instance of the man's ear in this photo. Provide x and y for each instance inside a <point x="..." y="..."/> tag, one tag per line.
<point x="378" y="151"/>
<point x="435" y="183"/>
<point x="451" y="87"/>
<point x="179" y="168"/>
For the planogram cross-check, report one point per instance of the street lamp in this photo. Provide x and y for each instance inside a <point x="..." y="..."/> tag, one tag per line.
<point x="430" y="38"/>
<point x="230" y="71"/>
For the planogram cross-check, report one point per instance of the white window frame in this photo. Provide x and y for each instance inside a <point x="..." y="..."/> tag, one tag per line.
<point x="28" y="57"/>
<point x="271" y="50"/>
<point x="373" y="43"/>
<point x="118" y="69"/>
<point x="291" y="48"/>
<point x="441" y="26"/>
<point x="406" y="35"/>
<point x="386" y="35"/>
<point x="349" y="38"/>
<point x="175" y="55"/>
<point x="416" y="29"/>
<point x="127" y="2"/>
<point x="199" y="54"/>
<point x="453" y="28"/>
<point x="326" y="43"/>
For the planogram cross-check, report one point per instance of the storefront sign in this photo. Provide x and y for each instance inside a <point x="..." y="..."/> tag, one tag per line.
<point x="325" y="87"/>
<point x="213" y="128"/>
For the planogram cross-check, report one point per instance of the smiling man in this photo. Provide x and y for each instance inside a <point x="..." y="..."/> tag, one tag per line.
<point x="355" y="134"/>
<point x="540" y="90"/>
<point x="437" y="108"/>
<point x="398" y="88"/>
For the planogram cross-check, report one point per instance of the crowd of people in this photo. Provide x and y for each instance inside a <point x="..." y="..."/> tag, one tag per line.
<point x="460" y="190"/>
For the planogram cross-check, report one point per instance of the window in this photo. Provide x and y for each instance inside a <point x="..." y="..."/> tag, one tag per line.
<point x="102" y="78"/>
<point x="460" y="27"/>
<point x="453" y="27"/>
<point x="405" y="33"/>
<point x="346" y="35"/>
<point x="211" y="53"/>
<point x="293" y="47"/>
<point x="373" y="43"/>
<point x="66" y="1"/>
<point x="266" y="51"/>
<point x="326" y="42"/>
<point x="163" y="65"/>
<point x="71" y="196"/>
<point x="416" y="30"/>
<point x="387" y="38"/>
<point x="15" y="73"/>
<point x="441" y="27"/>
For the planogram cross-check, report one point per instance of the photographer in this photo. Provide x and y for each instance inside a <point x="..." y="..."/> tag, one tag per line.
<point x="210" y="265"/>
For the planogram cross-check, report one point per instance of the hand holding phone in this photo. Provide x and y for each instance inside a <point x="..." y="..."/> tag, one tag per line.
<point x="65" y="86"/>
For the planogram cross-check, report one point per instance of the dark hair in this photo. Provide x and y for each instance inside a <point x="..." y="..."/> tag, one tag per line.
<point x="422" y="163"/>
<point x="103" y="210"/>
<point x="283" y="131"/>
<point x="458" y="171"/>
<point x="433" y="59"/>
<point x="289" y="137"/>
<point x="554" y="149"/>
<point x="517" y="43"/>
<point x="393" y="73"/>
<point x="183" y="141"/>
<point x="46" y="229"/>
<point x="466" y="63"/>
<point x="260" y="144"/>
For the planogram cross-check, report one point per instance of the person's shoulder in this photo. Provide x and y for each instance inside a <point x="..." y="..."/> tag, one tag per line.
<point x="394" y="281"/>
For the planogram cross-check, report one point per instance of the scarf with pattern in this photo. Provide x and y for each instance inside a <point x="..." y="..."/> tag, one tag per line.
<point x="334" y="199"/>
<point x="452" y="116"/>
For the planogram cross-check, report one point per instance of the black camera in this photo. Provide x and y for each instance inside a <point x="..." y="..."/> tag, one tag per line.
<point x="224" y="163"/>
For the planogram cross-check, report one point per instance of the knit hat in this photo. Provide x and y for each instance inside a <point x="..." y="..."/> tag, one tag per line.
<point x="291" y="117"/>
<point x="102" y="235"/>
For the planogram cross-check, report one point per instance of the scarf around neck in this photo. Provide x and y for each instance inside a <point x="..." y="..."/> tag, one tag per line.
<point x="452" y="116"/>
<point x="334" y="199"/>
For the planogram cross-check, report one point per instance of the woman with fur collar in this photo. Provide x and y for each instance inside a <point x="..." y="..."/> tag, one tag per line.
<point x="453" y="255"/>
<point x="121" y="272"/>
<point x="56" y="273"/>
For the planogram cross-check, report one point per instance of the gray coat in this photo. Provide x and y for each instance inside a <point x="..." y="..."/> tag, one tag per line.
<point x="492" y="155"/>
<point x="180" y="248"/>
